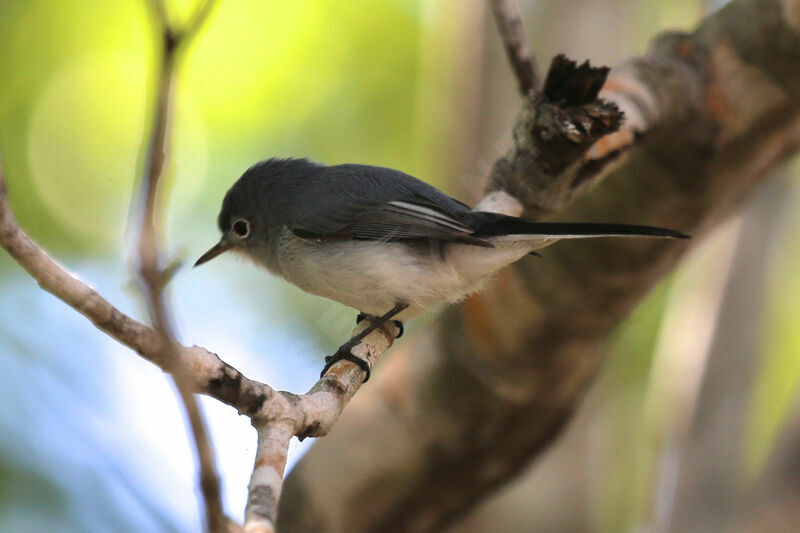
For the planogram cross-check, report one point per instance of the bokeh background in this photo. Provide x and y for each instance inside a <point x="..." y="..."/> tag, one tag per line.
<point x="700" y="389"/>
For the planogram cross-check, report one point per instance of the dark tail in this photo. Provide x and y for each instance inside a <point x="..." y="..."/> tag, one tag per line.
<point x="495" y="225"/>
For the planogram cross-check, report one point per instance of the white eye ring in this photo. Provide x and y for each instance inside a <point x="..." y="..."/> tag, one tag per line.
<point x="240" y="228"/>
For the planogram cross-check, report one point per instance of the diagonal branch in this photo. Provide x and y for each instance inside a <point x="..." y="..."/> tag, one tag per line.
<point x="479" y="367"/>
<point x="515" y="40"/>
<point x="464" y="409"/>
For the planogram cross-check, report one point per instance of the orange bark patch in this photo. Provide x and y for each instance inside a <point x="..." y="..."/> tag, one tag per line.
<point x="791" y="10"/>
<point x="618" y="85"/>
<point x="609" y="144"/>
<point x="276" y="461"/>
<point x="476" y="317"/>
<point x="686" y="48"/>
<point x="476" y="311"/>
<point x="718" y="105"/>
<point x="717" y="101"/>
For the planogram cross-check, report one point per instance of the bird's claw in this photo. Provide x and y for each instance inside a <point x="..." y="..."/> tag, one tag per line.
<point x="344" y="352"/>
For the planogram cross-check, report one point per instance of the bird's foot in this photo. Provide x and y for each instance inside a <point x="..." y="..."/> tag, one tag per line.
<point x="397" y="323"/>
<point x="344" y="353"/>
<point x="345" y="350"/>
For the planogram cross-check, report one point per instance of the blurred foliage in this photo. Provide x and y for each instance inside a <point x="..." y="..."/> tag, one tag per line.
<point x="622" y="487"/>
<point x="264" y="79"/>
<point x="776" y="391"/>
<point x="339" y="81"/>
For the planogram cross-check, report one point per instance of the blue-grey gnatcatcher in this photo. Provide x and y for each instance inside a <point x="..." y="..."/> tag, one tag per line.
<point x="378" y="240"/>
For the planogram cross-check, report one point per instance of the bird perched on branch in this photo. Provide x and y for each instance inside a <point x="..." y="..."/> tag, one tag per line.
<point x="378" y="240"/>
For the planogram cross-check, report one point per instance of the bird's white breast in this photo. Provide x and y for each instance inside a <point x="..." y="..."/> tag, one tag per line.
<point x="373" y="276"/>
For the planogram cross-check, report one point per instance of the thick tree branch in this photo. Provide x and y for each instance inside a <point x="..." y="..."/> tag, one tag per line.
<point x="462" y="410"/>
<point x="545" y="167"/>
<point x="719" y="111"/>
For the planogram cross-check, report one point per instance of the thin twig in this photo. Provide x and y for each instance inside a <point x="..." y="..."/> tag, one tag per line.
<point x="150" y="271"/>
<point x="160" y="11"/>
<point x="515" y="40"/>
<point x="196" y="20"/>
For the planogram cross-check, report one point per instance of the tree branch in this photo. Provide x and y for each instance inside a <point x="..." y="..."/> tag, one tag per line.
<point x="312" y="414"/>
<point x="719" y="111"/>
<point x="197" y="19"/>
<point x="515" y="41"/>
<point x="466" y="407"/>
<point x="265" y="483"/>
<point x="150" y="270"/>
<point x="194" y="369"/>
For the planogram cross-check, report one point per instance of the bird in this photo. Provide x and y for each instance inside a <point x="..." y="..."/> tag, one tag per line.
<point x="379" y="240"/>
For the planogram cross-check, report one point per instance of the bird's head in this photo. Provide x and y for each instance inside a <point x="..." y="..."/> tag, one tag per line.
<point x="252" y="209"/>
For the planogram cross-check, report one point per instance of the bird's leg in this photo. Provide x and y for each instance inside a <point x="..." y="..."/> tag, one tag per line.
<point x="360" y="317"/>
<point x="344" y="351"/>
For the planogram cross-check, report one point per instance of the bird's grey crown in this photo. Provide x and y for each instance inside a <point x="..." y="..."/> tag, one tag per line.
<point x="260" y="186"/>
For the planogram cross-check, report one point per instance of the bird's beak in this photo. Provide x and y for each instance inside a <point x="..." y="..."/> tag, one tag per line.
<point x="221" y="247"/>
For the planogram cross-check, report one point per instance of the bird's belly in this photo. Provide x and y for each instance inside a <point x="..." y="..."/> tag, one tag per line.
<point x="372" y="277"/>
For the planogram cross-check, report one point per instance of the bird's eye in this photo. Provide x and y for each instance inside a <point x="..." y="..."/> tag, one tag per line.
<point x="241" y="228"/>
